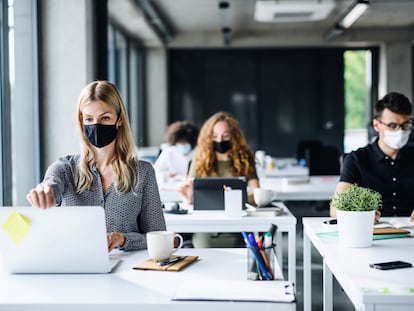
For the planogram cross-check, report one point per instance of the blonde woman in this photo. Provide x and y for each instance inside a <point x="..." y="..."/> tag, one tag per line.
<point x="221" y="151"/>
<point x="106" y="173"/>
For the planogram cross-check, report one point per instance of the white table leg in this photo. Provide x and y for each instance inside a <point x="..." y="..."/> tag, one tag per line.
<point x="292" y="256"/>
<point x="327" y="288"/>
<point x="279" y="248"/>
<point x="307" y="273"/>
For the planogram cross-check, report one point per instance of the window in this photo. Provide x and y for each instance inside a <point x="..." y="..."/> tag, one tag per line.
<point x="125" y="70"/>
<point x="357" y="80"/>
<point x="20" y="110"/>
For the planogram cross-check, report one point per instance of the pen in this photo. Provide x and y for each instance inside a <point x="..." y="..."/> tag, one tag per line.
<point x="254" y="272"/>
<point x="272" y="230"/>
<point x="255" y="250"/>
<point x="265" y="259"/>
<point x="267" y="240"/>
<point x="226" y="188"/>
<point x="170" y="261"/>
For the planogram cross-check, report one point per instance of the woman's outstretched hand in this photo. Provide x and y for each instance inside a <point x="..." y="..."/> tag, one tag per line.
<point x="41" y="197"/>
<point x="186" y="191"/>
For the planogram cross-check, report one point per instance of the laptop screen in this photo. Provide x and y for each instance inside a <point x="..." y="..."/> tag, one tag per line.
<point x="55" y="240"/>
<point x="209" y="191"/>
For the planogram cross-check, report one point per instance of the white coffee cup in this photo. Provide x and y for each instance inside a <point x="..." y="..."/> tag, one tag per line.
<point x="263" y="197"/>
<point x="160" y="244"/>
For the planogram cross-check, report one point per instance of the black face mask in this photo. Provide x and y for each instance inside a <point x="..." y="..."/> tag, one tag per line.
<point x="222" y="146"/>
<point x="100" y="135"/>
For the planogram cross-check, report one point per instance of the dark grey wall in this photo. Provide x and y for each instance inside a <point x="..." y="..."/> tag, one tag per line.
<point x="279" y="96"/>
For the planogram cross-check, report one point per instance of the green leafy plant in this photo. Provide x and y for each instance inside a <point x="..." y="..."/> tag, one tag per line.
<point x="357" y="198"/>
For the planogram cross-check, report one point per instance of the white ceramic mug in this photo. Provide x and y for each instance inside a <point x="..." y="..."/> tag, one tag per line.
<point x="160" y="244"/>
<point x="263" y="197"/>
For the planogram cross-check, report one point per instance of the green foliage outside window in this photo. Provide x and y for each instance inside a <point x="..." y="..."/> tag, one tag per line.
<point x="355" y="89"/>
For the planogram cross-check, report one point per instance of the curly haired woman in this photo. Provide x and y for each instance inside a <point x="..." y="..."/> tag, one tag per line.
<point x="221" y="151"/>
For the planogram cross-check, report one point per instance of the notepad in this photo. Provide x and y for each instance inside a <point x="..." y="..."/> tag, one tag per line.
<point x="151" y="264"/>
<point x="223" y="290"/>
<point x="395" y="223"/>
<point x="334" y="235"/>
<point x="390" y="231"/>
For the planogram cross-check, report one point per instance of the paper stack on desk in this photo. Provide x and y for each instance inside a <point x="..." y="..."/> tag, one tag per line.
<point x="272" y="291"/>
<point x="395" y="223"/>
<point x="273" y="209"/>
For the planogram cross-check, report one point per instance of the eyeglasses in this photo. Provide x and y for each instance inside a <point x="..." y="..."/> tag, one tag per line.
<point x="406" y="126"/>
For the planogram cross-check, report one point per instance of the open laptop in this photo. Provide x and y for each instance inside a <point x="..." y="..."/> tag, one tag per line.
<point x="58" y="240"/>
<point x="209" y="192"/>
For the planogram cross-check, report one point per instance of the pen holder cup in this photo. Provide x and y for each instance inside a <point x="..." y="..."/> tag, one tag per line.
<point x="261" y="264"/>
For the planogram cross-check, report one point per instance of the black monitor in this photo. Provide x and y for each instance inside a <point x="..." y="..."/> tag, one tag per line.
<point x="209" y="191"/>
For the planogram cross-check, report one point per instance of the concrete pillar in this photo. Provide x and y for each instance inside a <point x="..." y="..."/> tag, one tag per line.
<point x="396" y="68"/>
<point x="156" y="94"/>
<point x="66" y="66"/>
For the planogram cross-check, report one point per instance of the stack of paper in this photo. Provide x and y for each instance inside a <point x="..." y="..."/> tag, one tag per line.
<point x="264" y="291"/>
<point x="395" y="223"/>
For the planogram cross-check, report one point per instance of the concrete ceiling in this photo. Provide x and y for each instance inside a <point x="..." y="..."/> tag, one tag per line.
<point x="197" y="23"/>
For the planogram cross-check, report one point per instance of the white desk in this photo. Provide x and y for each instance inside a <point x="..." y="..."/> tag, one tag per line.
<point x="287" y="170"/>
<point x="283" y="167"/>
<point x="127" y="289"/>
<point x="212" y="221"/>
<point x="350" y="266"/>
<point x="318" y="188"/>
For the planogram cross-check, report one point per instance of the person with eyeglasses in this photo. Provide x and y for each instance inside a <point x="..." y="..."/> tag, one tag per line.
<point x="387" y="164"/>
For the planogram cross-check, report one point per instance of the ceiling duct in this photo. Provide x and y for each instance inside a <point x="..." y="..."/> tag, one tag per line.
<point x="288" y="11"/>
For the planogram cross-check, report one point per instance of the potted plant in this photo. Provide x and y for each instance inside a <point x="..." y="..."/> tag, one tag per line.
<point x="355" y="210"/>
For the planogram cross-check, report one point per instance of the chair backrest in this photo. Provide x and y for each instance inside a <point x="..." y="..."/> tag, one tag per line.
<point x="342" y="159"/>
<point x="323" y="160"/>
<point x="304" y="145"/>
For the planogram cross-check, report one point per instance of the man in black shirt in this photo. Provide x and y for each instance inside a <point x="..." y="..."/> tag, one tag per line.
<point x="386" y="165"/>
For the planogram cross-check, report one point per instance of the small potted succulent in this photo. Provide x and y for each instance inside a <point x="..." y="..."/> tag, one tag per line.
<point x="355" y="210"/>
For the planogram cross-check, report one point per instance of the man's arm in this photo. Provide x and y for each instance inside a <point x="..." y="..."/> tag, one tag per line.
<point x="341" y="187"/>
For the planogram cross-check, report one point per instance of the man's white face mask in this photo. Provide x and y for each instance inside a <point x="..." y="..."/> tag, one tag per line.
<point x="396" y="139"/>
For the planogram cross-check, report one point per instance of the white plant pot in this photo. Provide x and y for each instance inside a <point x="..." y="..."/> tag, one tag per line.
<point x="355" y="229"/>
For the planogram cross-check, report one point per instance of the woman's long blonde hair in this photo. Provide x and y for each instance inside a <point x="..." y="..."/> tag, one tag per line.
<point x="241" y="156"/>
<point x="125" y="157"/>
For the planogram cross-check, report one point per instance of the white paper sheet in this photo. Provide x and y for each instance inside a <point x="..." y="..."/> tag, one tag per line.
<point x="265" y="291"/>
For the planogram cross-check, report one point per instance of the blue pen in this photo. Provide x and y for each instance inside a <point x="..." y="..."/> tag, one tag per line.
<point x="170" y="261"/>
<point x="245" y="237"/>
<point x="254" y="268"/>
<point x="254" y="248"/>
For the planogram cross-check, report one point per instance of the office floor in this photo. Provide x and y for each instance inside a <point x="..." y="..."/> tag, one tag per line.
<point x="340" y="299"/>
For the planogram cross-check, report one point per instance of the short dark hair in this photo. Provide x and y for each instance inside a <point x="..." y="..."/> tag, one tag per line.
<point x="396" y="102"/>
<point x="182" y="130"/>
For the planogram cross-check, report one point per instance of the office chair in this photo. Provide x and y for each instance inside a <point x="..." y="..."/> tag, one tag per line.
<point x="304" y="145"/>
<point x="323" y="160"/>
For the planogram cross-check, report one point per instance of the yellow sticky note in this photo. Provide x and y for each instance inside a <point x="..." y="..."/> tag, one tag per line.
<point x="17" y="226"/>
